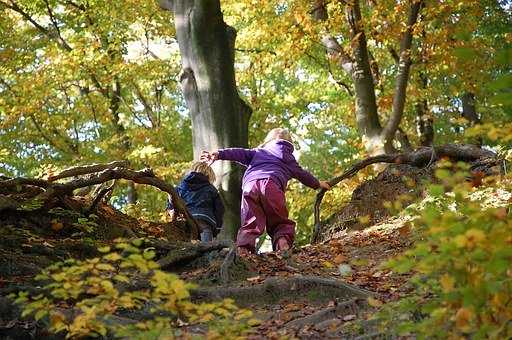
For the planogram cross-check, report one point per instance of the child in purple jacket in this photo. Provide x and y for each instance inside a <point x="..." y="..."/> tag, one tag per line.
<point x="269" y="168"/>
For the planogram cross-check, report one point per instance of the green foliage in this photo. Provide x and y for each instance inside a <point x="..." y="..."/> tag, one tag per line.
<point x="83" y="298"/>
<point x="461" y="264"/>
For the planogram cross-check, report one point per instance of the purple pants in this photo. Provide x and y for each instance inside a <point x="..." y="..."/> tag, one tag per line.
<point x="264" y="206"/>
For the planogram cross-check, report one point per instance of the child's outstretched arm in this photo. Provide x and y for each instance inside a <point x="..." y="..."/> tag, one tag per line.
<point x="240" y="155"/>
<point x="306" y="178"/>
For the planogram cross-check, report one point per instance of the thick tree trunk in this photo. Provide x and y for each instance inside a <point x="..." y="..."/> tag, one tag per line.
<point x="219" y="116"/>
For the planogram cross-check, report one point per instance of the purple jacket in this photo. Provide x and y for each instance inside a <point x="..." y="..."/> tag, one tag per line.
<point x="275" y="160"/>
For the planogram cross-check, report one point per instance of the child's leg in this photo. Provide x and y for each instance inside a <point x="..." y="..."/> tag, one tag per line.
<point x="253" y="217"/>
<point x="280" y="228"/>
<point x="205" y="231"/>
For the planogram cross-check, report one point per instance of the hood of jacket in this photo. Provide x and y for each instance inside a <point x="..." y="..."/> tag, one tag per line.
<point x="195" y="181"/>
<point x="281" y="149"/>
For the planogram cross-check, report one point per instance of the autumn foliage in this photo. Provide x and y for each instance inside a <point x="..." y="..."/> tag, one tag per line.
<point x="461" y="263"/>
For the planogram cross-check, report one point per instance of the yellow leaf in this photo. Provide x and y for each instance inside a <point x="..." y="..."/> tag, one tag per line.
<point x="475" y="235"/>
<point x="463" y="319"/>
<point x="328" y="264"/>
<point x="374" y="302"/>
<point x="447" y="283"/>
<point x="364" y="219"/>
<point x="461" y="241"/>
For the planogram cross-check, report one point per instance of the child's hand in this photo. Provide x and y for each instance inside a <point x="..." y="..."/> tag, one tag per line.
<point x="209" y="157"/>
<point x="324" y="185"/>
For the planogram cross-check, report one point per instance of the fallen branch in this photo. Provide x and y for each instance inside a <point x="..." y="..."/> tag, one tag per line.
<point x="276" y="289"/>
<point x="418" y="158"/>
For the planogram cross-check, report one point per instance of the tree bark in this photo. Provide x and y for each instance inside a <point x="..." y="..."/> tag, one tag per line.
<point x="425" y="124"/>
<point x="220" y="118"/>
<point x="469" y="112"/>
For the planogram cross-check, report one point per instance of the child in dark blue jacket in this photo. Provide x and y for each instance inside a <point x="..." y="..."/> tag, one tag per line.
<point x="202" y="200"/>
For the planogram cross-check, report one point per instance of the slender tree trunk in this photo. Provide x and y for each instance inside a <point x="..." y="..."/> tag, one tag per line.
<point x="424" y="121"/>
<point x="425" y="124"/>
<point x="220" y="118"/>
<point x="469" y="112"/>
<point x="357" y="65"/>
<point x="402" y="79"/>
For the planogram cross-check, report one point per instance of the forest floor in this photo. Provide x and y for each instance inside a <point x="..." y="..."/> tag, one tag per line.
<point x="354" y="257"/>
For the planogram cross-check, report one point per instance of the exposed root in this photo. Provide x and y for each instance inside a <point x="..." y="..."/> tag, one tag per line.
<point x="351" y="306"/>
<point x="49" y="192"/>
<point x="275" y="289"/>
<point x="183" y="253"/>
<point x="225" y="275"/>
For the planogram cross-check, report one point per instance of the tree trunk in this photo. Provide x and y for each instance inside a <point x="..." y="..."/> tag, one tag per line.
<point x="469" y="112"/>
<point x="402" y="79"/>
<point x="425" y="124"/>
<point x="220" y="118"/>
<point x="366" y="104"/>
<point x="376" y="138"/>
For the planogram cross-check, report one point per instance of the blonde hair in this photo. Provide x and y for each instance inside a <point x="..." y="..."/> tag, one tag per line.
<point x="205" y="169"/>
<point x="277" y="133"/>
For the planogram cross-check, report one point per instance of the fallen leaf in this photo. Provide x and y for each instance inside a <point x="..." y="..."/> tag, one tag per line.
<point x="344" y="269"/>
<point x="327" y="264"/>
<point x="349" y="317"/>
<point x="56" y="225"/>
<point x="340" y="259"/>
<point x="254" y="279"/>
<point x="374" y="302"/>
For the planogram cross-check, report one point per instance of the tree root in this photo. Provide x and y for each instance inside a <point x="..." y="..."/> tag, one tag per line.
<point x="273" y="290"/>
<point x="224" y="274"/>
<point x="481" y="158"/>
<point x="183" y="253"/>
<point x="345" y="308"/>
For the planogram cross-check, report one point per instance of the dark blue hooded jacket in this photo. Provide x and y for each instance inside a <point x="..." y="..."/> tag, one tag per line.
<point x="202" y="200"/>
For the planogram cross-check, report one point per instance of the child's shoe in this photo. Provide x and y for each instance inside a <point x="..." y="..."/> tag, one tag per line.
<point x="243" y="252"/>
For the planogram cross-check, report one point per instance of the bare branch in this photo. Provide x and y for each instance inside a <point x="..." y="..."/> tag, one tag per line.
<point x="419" y="158"/>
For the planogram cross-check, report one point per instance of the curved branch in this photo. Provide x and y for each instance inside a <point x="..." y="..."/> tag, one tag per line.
<point x="145" y="176"/>
<point x="419" y="158"/>
<point x="87" y="169"/>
